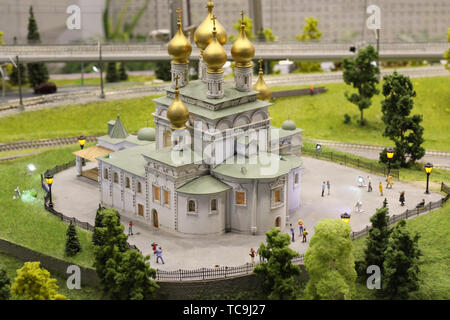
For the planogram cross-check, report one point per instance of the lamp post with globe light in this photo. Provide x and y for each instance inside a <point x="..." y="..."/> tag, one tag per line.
<point x="49" y="180"/>
<point x="428" y="169"/>
<point x="389" y="155"/>
<point x="81" y="142"/>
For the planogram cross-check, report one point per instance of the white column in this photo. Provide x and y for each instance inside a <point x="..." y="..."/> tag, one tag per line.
<point x="243" y="78"/>
<point x="202" y="70"/>
<point x="78" y="162"/>
<point x="180" y="70"/>
<point x="254" y="204"/>
<point x="214" y="82"/>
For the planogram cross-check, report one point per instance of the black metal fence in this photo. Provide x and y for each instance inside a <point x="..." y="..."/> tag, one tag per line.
<point x="212" y="273"/>
<point x="75" y="221"/>
<point x="410" y="213"/>
<point x="351" y="162"/>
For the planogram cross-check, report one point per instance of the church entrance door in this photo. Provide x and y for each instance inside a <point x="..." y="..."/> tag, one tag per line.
<point x="155" y="218"/>
<point x="277" y="222"/>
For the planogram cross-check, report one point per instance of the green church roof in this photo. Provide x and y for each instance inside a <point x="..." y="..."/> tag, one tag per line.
<point x="204" y="185"/>
<point x="257" y="167"/>
<point x="118" y="131"/>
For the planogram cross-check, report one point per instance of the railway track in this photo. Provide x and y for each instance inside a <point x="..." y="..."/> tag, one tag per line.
<point x="37" y="144"/>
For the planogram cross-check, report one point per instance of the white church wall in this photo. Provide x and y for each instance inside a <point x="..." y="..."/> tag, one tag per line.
<point x="165" y="212"/>
<point x="203" y="221"/>
<point x="294" y="189"/>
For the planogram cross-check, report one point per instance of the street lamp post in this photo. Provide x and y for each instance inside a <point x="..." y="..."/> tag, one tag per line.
<point x="21" y="108"/>
<point x="345" y="217"/>
<point x="49" y="180"/>
<point x="81" y="142"/>
<point x="389" y="155"/>
<point x="428" y="169"/>
<point x="102" y="93"/>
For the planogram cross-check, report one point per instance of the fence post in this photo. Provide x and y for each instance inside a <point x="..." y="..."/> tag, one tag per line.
<point x="179" y="270"/>
<point x="203" y="273"/>
<point x="226" y="270"/>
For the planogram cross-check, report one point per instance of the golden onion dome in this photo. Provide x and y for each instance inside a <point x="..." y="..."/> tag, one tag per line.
<point x="214" y="55"/>
<point x="203" y="35"/>
<point x="179" y="47"/>
<point x="177" y="113"/>
<point x="243" y="50"/>
<point x="264" y="92"/>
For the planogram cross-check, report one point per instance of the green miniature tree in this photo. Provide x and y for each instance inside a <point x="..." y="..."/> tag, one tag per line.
<point x="73" y="245"/>
<point x="35" y="283"/>
<point x="310" y="30"/>
<point x="37" y="72"/>
<point x="162" y="71"/>
<point x="401" y="263"/>
<point x="362" y="74"/>
<point x="1" y="37"/>
<point x="113" y="242"/>
<point x="123" y="76"/>
<point x="97" y="225"/>
<point x="404" y="130"/>
<point x="277" y="270"/>
<point x="329" y="262"/>
<point x="111" y="72"/>
<point x="376" y="242"/>
<point x="14" y="75"/>
<point x="130" y="276"/>
<point x="5" y="285"/>
<point x="248" y="29"/>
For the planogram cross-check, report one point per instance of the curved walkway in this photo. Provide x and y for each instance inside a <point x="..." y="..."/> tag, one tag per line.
<point x="231" y="249"/>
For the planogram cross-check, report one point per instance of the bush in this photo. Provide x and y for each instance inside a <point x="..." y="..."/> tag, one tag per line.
<point x="347" y="119"/>
<point x="45" y="88"/>
<point x="5" y="285"/>
<point x="163" y="70"/>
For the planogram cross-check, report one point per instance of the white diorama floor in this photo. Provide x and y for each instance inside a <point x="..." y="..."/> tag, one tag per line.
<point x="79" y="197"/>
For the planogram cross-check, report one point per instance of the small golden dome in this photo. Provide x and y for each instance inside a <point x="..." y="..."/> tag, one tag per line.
<point x="179" y="47"/>
<point x="177" y="113"/>
<point x="203" y="35"/>
<point x="214" y="55"/>
<point x="243" y="50"/>
<point x="261" y="86"/>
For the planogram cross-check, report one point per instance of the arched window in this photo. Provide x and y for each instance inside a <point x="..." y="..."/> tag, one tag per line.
<point x="191" y="206"/>
<point x="139" y="187"/>
<point x="116" y="177"/>
<point x="127" y="182"/>
<point x="213" y="205"/>
<point x="105" y="173"/>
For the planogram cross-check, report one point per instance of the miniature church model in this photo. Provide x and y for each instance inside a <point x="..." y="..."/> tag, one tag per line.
<point x="213" y="163"/>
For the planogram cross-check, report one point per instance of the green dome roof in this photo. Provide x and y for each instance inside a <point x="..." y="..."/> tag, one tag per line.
<point x="288" y="125"/>
<point x="146" y="134"/>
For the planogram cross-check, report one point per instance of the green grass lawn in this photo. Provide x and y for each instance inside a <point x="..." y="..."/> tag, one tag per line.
<point x="11" y="264"/>
<point x="415" y="173"/>
<point x="434" y="243"/>
<point x="320" y="116"/>
<point x="29" y="224"/>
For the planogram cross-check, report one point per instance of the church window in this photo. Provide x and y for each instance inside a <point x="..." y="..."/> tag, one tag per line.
<point x="277" y="197"/>
<point x="155" y="194"/>
<point x="105" y="173"/>
<point x="140" y="210"/>
<point x="192" y="206"/>
<point x="166" y="197"/>
<point x="213" y="205"/>
<point x="139" y="187"/>
<point x="116" y="177"/>
<point x="240" y="198"/>
<point x="296" y="178"/>
<point x="127" y="182"/>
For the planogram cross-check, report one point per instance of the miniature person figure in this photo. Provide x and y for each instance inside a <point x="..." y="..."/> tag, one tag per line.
<point x="292" y="232"/>
<point x="154" y="246"/>
<point x="402" y="198"/>
<point x="159" y="255"/>
<point x="305" y="233"/>
<point x="358" y="207"/>
<point x="381" y="188"/>
<point x="390" y="182"/>
<point x="421" y="204"/>
<point x="300" y="227"/>
<point x="369" y="187"/>
<point x="261" y="259"/>
<point x="130" y="228"/>
<point x="252" y="255"/>
<point x="328" y="186"/>
<point x="323" y="188"/>
<point x="16" y="193"/>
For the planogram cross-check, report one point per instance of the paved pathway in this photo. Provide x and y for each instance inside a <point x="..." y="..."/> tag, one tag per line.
<point x="79" y="197"/>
